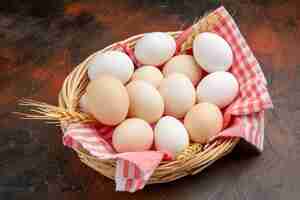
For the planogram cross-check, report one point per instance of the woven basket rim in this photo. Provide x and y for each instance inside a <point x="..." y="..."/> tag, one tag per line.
<point x="166" y="171"/>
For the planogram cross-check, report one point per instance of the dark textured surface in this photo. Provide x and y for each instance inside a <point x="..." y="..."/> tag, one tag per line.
<point x="40" y="43"/>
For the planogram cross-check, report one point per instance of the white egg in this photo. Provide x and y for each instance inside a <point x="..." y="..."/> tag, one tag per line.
<point x="149" y="74"/>
<point x="219" y="88"/>
<point x="155" y="48"/>
<point x="83" y="103"/>
<point x="170" y="135"/>
<point x="132" y="135"/>
<point x="184" y="64"/>
<point x="114" y="63"/>
<point x="178" y="93"/>
<point x="212" y="52"/>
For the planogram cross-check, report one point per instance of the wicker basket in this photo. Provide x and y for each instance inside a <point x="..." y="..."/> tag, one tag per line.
<point x="190" y="162"/>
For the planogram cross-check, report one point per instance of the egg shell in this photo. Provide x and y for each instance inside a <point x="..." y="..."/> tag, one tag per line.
<point x="170" y="136"/>
<point x="154" y="48"/>
<point x="150" y="74"/>
<point x="132" y="135"/>
<point x="114" y="63"/>
<point x="212" y="52"/>
<point x="184" y="64"/>
<point x="145" y="101"/>
<point x="83" y="103"/>
<point x="219" y="88"/>
<point x="203" y="121"/>
<point x="178" y="93"/>
<point x="107" y="100"/>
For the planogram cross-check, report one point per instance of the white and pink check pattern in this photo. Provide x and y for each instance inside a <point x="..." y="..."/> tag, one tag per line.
<point x="247" y="113"/>
<point x="254" y="97"/>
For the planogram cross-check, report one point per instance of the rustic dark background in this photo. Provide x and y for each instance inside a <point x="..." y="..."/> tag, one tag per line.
<point x="40" y="43"/>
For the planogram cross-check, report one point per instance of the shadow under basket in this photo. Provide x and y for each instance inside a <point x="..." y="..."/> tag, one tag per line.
<point x="191" y="161"/>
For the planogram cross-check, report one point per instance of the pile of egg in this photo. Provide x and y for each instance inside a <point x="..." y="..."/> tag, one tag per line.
<point x="165" y="107"/>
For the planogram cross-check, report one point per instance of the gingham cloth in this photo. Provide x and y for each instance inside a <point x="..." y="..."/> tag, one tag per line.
<point x="247" y="113"/>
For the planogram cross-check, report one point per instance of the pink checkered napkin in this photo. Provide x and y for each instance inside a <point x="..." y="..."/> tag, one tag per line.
<point x="254" y="97"/>
<point x="247" y="113"/>
<point x="133" y="168"/>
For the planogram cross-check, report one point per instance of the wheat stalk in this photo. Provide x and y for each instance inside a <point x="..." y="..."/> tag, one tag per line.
<point x="202" y="25"/>
<point x="52" y="114"/>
